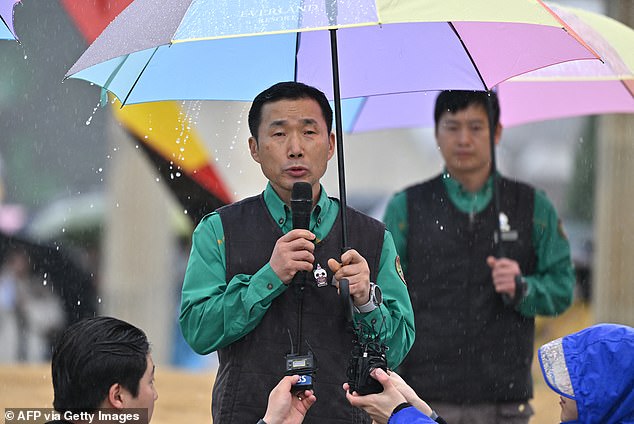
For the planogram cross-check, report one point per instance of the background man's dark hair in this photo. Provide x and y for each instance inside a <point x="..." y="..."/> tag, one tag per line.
<point x="287" y="91"/>
<point x="91" y="356"/>
<point x="456" y="100"/>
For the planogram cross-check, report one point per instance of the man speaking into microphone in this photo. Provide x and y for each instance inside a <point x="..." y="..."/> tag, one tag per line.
<point x="238" y="296"/>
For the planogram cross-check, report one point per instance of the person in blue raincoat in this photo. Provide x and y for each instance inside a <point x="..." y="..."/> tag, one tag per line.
<point x="593" y="372"/>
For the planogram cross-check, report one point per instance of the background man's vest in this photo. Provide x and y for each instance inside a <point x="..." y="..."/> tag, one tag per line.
<point x="469" y="347"/>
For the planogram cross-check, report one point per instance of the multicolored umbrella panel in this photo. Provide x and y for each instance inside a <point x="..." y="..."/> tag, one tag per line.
<point x="569" y="89"/>
<point x="7" y="32"/>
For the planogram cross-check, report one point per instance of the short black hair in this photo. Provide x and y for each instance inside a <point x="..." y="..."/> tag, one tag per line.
<point x="453" y="101"/>
<point x="289" y="90"/>
<point x="92" y="355"/>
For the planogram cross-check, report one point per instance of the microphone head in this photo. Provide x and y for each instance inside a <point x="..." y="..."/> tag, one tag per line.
<point x="302" y="191"/>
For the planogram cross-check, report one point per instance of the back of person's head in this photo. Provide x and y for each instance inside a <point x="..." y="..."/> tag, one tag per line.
<point x="453" y="101"/>
<point x="92" y="355"/>
<point x="289" y="90"/>
<point x="595" y="368"/>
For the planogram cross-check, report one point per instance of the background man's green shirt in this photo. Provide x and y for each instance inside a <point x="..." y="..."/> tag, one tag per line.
<point x="216" y="313"/>
<point x="550" y="288"/>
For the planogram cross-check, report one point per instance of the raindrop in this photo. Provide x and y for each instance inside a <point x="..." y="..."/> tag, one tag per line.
<point x="44" y="282"/>
<point x="78" y="302"/>
<point x="94" y="110"/>
<point x="98" y="300"/>
<point x="185" y="211"/>
<point x="178" y="174"/>
<point x="158" y="179"/>
<point x="25" y="56"/>
<point x="442" y="227"/>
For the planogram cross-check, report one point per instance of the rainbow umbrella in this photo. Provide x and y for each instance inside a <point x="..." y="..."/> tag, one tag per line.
<point x="7" y="32"/>
<point x="228" y="50"/>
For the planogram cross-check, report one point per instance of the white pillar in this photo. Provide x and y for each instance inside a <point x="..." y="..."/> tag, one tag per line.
<point x="137" y="283"/>
<point x="613" y="280"/>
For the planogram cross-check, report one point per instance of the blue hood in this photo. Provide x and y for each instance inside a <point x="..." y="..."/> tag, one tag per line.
<point x="594" y="367"/>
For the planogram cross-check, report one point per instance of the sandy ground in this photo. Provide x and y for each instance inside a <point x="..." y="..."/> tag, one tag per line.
<point x="184" y="397"/>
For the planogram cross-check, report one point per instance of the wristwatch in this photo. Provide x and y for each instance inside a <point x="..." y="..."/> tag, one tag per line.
<point x="376" y="298"/>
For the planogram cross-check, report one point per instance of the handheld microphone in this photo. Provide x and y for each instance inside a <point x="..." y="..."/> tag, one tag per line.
<point x="301" y="205"/>
<point x="296" y="363"/>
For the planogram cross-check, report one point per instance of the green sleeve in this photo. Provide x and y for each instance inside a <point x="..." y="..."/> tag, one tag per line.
<point x="395" y="317"/>
<point x="396" y="222"/>
<point x="214" y="312"/>
<point x="550" y="288"/>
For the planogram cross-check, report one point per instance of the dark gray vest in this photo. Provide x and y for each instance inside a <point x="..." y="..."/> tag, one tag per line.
<point x="250" y="367"/>
<point x="469" y="347"/>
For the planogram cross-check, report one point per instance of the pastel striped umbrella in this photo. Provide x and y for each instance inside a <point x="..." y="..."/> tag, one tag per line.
<point x="231" y="50"/>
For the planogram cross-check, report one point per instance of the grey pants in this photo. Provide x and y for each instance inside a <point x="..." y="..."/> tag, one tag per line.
<point x="484" y="413"/>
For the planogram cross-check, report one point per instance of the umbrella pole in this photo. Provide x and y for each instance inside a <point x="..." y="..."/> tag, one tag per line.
<point x="494" y="180"/>
<point x="497" y="237"/>
<point x="339" y="134"/>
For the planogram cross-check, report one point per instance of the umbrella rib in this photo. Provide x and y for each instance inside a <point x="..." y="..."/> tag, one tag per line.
<point x="297" y="43"/>
<point x="453" y="28"/>
<point x="139" y="77"/>
<point x="627" y="87"/>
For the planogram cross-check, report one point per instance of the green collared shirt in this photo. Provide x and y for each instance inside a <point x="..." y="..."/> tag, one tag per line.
<point x="550" y="288"/>
<point x="216" y="313"/>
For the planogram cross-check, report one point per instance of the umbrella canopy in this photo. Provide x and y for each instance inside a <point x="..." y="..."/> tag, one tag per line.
<point x="6" y="15"/>
<point x="181" y="49"/>
<point x="564" y="90"/>
<point x="205" y="49"/>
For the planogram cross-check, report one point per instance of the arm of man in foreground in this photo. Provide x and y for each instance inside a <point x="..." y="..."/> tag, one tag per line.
<point x="215" y="313"/>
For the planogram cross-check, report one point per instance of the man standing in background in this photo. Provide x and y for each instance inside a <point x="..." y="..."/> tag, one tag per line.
<point x="474" y="311"/>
